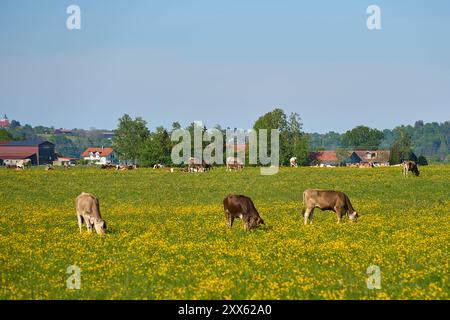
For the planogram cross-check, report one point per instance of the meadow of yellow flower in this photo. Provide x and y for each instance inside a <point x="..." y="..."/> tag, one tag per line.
<point x="167" y="237"/>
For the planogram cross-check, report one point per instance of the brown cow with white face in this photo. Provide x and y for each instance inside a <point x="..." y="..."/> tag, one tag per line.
<point x="88" y="211"/>
<point x="327" y="200"/>
<point x="238" y="206"/>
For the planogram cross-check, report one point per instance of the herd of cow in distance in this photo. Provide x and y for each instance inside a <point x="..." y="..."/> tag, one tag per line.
<point x="242" y="207"/>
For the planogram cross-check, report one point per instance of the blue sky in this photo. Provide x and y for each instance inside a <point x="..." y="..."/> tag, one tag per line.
<point x="225" y="62"/>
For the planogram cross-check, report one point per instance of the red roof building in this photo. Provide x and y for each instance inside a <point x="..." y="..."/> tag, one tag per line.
<point x="371" y="156"/>
<point x="328" y="157"/>
<point x="4" y="122"/>
<point x="38" y="151"/>
<point x="99" y="155"/>
<point x="103" y="152"/>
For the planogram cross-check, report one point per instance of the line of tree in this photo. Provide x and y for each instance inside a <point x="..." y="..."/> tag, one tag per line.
<point x="135" y="143"/>
<point x="418" y="142"/>
<point x="425" y="140"/>
<point x="71" y="145"/>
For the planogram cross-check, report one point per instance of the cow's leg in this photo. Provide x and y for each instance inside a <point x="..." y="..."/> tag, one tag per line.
<point x="308" y="212"/>
<point x="229" y="218"/>
<point x="311" y="216"/>
<point x="246" y="220"/>
<point x="339" y="213"/>
<point x="88" y="224"/>
<point x="306" y="216"/>
<point x="80" y="222"/>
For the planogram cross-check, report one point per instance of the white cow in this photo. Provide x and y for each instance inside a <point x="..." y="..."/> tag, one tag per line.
<point x="293" y="162"/>
<point x="21" y="164"/>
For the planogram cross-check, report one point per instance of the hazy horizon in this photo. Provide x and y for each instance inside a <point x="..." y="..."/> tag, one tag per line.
<point x="225" y="63"/>
<point x="185" y="124"/>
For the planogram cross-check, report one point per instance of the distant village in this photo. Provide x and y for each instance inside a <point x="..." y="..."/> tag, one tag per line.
<point x="42" y="151"/>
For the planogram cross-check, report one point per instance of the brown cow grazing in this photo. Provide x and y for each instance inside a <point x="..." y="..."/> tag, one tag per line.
<point x="123" y="167"/>
<point x="107" y="166"/>
<point x="88" y="210"/>
<point x="238" y="206"/>
<point x="195" y="165"/>
<point x="410" y="166"/>
<point x="327" y="200"/>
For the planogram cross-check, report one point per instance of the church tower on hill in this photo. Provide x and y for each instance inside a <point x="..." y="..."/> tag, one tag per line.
<point x="4" y="122"/>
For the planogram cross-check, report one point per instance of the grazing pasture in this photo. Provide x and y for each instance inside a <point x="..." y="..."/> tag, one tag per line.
<point x="167" y="236"/>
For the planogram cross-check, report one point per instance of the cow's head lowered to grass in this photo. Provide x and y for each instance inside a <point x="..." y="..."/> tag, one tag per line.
<point x="255" y="221"/>
<point x="353" y="216"/>
<point x="242" y="207"/>
<point x="88" y="211"/>
<point x="100" y="226"/>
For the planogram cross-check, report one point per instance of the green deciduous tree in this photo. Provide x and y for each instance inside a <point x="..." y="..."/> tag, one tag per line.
<point x="342" y="155"/>
<point x="130" y="138"/>
<point x="14" y="124"/>
<point x="362" y="138"/>
<point x="297" y="141"/>
<point x="422" y="161"/>
<point x="293" y="142"/>
<point x="5" y="135"/>
<point x="401" y="148"/>
<point x="156" y="149"/>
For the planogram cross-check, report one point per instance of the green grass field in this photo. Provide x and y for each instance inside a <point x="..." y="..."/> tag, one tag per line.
<point x="168" y="239"/>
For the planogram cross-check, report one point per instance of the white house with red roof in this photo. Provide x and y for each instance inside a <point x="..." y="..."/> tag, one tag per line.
<point x="99" y="155"/>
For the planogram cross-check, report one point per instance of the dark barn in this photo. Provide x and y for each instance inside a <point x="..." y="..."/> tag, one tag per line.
<point x="38" y="151"/>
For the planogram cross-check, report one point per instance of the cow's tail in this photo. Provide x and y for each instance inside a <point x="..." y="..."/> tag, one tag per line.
<point x="303" y="209"/>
